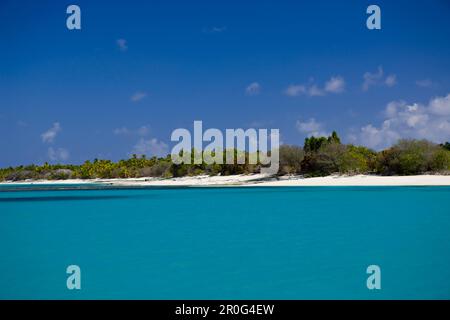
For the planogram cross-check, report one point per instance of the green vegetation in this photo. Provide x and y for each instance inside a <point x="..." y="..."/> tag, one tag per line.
<point x="313" y="144"/>
<point x="446" y="146"/>
<point x="409" y="157"/>
<point x="318" y="157"/>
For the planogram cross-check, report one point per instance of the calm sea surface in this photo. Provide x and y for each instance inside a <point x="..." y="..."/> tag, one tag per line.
<point x="223" y="243"/>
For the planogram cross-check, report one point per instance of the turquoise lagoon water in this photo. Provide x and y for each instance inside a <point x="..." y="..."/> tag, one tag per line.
<point x="226" y="243"/>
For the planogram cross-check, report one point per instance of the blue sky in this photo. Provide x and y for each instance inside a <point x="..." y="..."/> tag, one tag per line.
<point x="138" y="70"/>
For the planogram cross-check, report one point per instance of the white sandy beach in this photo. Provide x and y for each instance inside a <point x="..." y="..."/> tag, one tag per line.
<point x="263" y="180"/>
<point x="363" y="180"/>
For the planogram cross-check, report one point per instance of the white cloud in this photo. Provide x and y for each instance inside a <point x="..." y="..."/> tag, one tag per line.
<point x="124" y="131"/>
<point x="334" y="85"/>
<point x="253" y="89"/>
<point x="138" y="96"/>
<point x="391" y="80"/>
<point x="151" y="147"/>
<point x="59" y="154"/>
<point x="50" y="135"/>
<point x="295" y="90"/>
<point x="392" y="107"/>
<point x="441" y="106"/>
<point x="215" y="29"/>
<point x="373" y="137"/>
<point x="315" y="91"/>
<point x="311" y="128"/>
<point x="424" y="83"/>
<point x="143" y="131"/>
<point x="122" y="44"/>
<point x="377" y="78"/>
<point x="121" y="131"/>
<point x="372" y="78"/>
<point x="402" y="120"/>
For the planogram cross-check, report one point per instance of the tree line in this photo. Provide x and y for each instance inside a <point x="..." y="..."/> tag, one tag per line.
<point x="319" y="156"/>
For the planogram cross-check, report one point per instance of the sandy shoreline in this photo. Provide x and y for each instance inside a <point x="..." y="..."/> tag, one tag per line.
<point x="262" y="180"/>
